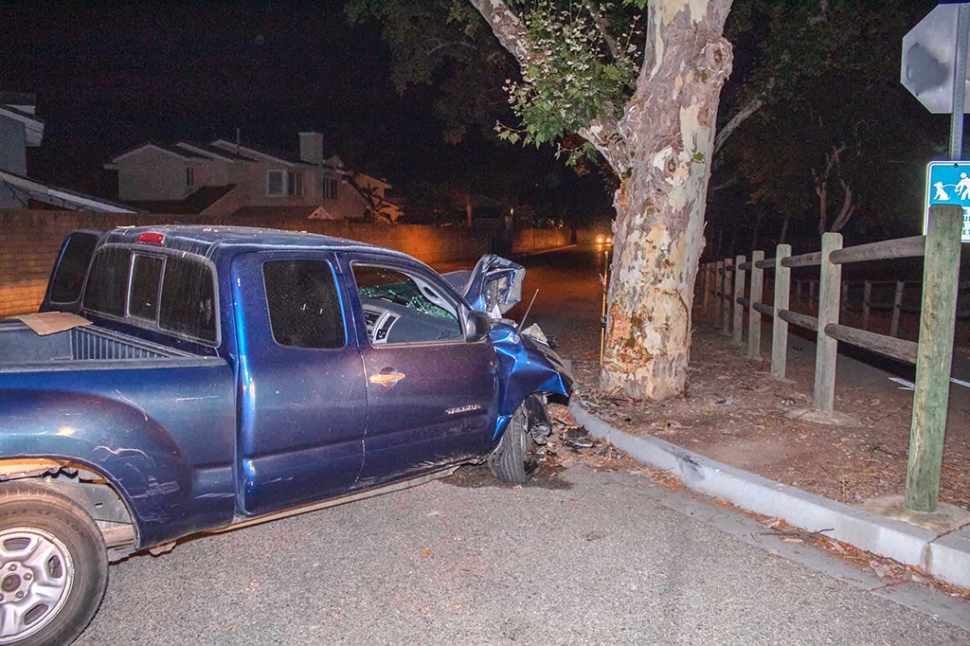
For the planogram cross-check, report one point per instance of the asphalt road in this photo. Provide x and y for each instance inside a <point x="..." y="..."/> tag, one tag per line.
<point x="602" y="562"/>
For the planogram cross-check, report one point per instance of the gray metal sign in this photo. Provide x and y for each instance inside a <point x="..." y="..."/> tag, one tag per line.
<point x="929" y="58"/>
<point x="934" y="65"/>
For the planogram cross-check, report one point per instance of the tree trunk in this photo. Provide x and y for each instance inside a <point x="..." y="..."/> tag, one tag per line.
<point x="783" y="236"/>
<point x="658" y="239"/>
<point x="661" y="149"/>
<point x="733" y="244"/>
<point x="756" y="231"/>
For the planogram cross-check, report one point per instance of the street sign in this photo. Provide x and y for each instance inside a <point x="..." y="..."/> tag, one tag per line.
<point x="929" y="59"/>
<point x="948" y="182"/>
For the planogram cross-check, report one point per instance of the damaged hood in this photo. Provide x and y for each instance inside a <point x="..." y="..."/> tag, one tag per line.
<point x="494" y="286"/>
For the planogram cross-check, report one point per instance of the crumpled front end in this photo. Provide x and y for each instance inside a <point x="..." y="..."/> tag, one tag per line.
<point x="526" y="366"/>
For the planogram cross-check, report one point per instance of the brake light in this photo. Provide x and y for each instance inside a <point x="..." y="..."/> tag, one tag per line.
<point x="151" y="238"/>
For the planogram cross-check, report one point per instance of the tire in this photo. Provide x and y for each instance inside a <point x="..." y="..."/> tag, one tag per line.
<point x="53" y="556"/>
<point x="512" y="460"/>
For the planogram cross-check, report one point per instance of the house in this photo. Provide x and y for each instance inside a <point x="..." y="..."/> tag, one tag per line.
<point x="21" y="128"/>
<point x="223" y="178"/>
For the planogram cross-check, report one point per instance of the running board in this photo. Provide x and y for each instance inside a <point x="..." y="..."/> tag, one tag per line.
<point x="244" y="521"/>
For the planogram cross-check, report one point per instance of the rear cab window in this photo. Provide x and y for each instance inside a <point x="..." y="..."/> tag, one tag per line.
<point x="304" y="304"/>
<point x="174" y="293"/>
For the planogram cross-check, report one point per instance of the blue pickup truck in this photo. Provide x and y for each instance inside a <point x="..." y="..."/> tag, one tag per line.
<point x="183" y="380"/>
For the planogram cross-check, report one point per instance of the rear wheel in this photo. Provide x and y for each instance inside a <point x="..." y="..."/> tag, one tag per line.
<point x="53" y="566"/>
<point x="514" y="459"/>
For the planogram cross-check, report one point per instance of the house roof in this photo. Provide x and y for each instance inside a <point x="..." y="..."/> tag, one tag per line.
<point x="182" y="153"/>
<point x="211" y="151"/>
<point x="31" y="189"/>
<point x="257" y="153"/>
<point x="193" y="204"/>
<point x="22" y="113"/>
<point x="33" y="124"/>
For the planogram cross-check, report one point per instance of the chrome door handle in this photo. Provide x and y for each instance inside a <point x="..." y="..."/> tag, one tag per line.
<point x="386" y="377"/>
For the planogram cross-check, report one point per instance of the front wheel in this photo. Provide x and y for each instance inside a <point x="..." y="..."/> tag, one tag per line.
<point x="53" y="566"/>
<point x="514" y="459"/>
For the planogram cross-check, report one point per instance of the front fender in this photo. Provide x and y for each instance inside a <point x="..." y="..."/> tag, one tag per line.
<point x="114" y="438"/>
<point x="525" y="367"/>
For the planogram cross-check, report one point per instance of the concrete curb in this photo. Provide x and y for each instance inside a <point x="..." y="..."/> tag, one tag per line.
<point x="944" y="556"/>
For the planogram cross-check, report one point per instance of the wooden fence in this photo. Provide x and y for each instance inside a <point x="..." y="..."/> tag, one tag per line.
<point x="724" y="303"/>
<point x="806" y="292"/>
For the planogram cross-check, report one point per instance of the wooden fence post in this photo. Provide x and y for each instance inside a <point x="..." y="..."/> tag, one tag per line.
<point x="827" y="348"/>
<point x="844" y="301"/>
<point x="726" y="291"/>
<point x="897" y="308"/>
<point x="779" y="327"/>
<point x="941" y="275"/>
<point x="718" y="293"/>
<point x="738" y="292"/>
<point x="812" y="291"/>
<point x="866" y="299"/>
<point x="754" y="316"/>
<point x="798" y="290"/>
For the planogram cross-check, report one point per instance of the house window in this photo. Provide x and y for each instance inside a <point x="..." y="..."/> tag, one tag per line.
<point x="275" y="186"/>
<point x="329" y="188"/>
<point x="190" y="176"/>
<point x="294" y="183"/>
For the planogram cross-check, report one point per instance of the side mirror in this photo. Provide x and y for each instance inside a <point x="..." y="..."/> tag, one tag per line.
<point x="477" y="326"/>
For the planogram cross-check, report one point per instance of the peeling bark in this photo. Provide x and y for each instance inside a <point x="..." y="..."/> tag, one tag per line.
<point x="658" y="234"/>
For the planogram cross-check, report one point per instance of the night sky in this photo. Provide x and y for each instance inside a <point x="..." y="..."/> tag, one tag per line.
<point x="109" y="77"/>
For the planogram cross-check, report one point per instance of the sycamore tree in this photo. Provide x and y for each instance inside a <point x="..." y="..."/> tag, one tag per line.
<point x="638" y="83"/>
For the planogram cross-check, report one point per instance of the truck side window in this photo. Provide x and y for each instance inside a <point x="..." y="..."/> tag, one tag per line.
<point x="73" y="266"/>
<point x="304" y="308"/>
<point x="107" y="288"/>
<point x="188" y="303"/>
<point x="146" y="273"/>
<point x="404" y="308"/>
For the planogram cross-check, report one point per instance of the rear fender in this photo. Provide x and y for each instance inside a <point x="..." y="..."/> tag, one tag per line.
<point x="525" y="367"/>
<point x="119" y="441"/>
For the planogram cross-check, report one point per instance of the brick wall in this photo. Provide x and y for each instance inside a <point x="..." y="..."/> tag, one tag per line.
<point x="30" y="240"/>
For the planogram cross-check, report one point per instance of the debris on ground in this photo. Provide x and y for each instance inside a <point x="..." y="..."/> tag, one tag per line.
<point x="735" y="413"/>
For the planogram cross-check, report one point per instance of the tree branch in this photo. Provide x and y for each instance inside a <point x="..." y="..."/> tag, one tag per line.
<point x="512" y="35"/>
<point x="742" y="115"/>
<point x="603" y="26"/>
<point x="508" y="29"/>
<point x="734" y="179"/>
<point x="456" y="43"/>
<point x="848" y="208"/>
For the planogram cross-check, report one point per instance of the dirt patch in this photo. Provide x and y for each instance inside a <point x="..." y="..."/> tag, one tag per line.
<point x="736" y="413"/>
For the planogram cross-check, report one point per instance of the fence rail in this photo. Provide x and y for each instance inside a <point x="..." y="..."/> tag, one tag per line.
<point x="724" y="302"/>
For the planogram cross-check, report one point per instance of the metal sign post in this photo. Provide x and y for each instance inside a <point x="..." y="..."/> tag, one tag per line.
<point x="959" y="86"/>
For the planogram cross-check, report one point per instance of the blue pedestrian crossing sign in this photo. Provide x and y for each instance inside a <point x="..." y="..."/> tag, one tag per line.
<point x="948" y="182"/>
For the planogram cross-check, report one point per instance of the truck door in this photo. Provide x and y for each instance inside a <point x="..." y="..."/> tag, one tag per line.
<point x="431" y="396"/>
<point x="64" y="287"/>
<point x="302" y="400"/>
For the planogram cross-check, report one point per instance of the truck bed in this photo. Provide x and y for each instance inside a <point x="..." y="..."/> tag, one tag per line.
<point x="20" y="347"/>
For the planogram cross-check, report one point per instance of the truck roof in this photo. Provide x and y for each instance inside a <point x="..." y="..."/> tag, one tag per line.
<point x="205" y="239"/>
